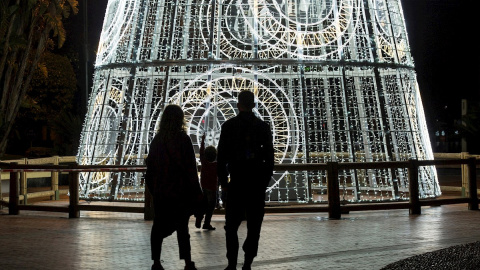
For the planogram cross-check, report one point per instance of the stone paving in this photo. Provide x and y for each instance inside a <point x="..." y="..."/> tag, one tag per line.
<point x="360" y="240"/>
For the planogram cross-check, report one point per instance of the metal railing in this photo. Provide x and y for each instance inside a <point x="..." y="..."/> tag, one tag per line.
<point x="335" y="208"/>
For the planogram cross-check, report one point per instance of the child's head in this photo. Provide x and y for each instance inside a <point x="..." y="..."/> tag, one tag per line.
<point x="210" y="153"/>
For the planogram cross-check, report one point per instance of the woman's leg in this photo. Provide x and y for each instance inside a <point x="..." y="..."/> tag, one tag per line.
<point x="183" y="238"/>
<point x="156" y="241"/>
<point x="162" y="227"/>
<point x="156" y="236"/>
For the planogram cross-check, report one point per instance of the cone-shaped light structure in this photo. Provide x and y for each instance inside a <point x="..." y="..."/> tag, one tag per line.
<point x="334" y="79"/>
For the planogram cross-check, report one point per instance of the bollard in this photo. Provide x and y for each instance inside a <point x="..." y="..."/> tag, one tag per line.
<point x="14" y="198"/>
<point x="415" y="207"/>
<point x="73" y="211"/>
<point x="472" y="184"/>
<point x="333" y="190"/>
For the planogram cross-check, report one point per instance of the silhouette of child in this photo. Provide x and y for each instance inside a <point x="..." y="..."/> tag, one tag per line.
<point x="209" y="183"/>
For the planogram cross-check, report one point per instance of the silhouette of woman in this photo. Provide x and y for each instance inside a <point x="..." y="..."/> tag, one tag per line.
<point x="172" y="179"/>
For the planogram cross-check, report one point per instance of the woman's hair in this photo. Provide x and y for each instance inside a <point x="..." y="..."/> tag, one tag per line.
<point x="172" y="122"/>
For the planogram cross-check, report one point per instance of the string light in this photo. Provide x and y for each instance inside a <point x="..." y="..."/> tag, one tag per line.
<point x="334" y="80"/>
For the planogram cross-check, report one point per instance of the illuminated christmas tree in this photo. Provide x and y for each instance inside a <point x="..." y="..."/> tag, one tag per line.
<point x="334" y="79"/>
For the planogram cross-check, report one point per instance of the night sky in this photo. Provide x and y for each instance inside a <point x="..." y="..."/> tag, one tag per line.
<point x="441" y="35"/>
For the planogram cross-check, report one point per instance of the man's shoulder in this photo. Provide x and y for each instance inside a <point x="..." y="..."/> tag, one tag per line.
<point x="237" y="121"/>
<point x="262" y="124"/>
<point x="230" y="122"/>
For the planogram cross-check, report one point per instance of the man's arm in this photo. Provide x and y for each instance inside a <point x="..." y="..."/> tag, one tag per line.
<point x="269" y="153"/>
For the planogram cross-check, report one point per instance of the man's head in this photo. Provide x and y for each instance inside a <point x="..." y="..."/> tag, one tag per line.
<point x="246" y="101"/>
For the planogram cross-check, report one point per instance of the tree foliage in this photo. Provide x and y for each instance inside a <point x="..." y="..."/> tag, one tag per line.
<point x="49" y="105"/>
<point x="27" y="27"/>
<point x="52" y="90"/>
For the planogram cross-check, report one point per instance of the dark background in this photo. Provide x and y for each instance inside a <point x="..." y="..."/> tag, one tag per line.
<point x="442" y="36"/>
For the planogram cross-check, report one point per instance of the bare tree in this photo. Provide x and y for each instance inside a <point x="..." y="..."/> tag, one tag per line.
<point x="26" y="28"/>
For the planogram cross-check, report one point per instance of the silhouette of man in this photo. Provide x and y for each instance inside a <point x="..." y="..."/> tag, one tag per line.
<point x="245" y="152"/>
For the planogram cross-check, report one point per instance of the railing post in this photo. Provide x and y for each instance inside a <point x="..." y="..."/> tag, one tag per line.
<point x="1" y="196"/>
<point x="472" y="184"/>
<point x="149" y="211"/>
<point x="13" y="196"/>
<point x="309" y="190"/>
<point x="464" y="170"/>
<point x="415" y="208"/>
<point x="23" y="187"/>
<point x="333" y="190"/>
<point x="55" y="181"/>
<point x="74" y="194"/>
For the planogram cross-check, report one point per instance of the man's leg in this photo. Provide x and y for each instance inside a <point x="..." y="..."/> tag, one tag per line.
<point x="233" y="219"/>
<point x="255" y="213"/>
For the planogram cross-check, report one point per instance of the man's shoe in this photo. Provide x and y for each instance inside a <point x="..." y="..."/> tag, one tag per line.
<point x="231" y="268"/>
<point x="208" y="227"/>
<point x="247" y="264"/>
<point x="157" y="267"/>
<point x="190" y="266"/>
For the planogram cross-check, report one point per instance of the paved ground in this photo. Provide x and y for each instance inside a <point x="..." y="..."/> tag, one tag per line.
<point x="360" y="240"/>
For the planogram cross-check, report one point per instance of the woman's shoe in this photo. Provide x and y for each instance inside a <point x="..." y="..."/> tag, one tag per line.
<point x="157" y="267"/>
<point x="190" y="266"/>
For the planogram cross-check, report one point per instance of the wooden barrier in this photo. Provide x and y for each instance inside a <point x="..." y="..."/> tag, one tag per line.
<point x="25" y="176"/>
<point x="332" y="168"/>
<point x="58" y="160"/>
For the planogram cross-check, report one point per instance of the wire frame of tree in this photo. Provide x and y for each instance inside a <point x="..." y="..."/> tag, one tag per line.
<point x="334" y="79"/>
